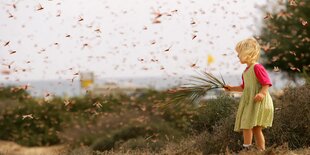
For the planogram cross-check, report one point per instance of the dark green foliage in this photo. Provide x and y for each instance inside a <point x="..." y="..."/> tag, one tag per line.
<point x="14" y="93"/>
<point x="139" y="117"/>
<point x="151" y="136"/>
<point x="46" y="118"/>
<point x="212" y="112"/>
<point x="222" y="137"/>
<point x="40" y="130"/>
<point x="292" y="117"/>
<point x="285" y="38"/>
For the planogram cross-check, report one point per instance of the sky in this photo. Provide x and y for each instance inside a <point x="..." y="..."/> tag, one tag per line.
<point x="59" y="39"/>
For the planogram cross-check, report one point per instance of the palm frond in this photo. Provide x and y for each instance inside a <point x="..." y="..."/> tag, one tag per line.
<point x="223" y="79"/>
<point x="198" y="87"/>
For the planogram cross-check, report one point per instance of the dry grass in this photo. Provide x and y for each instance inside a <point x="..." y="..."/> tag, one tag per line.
<point x="186" y="147"/>
<point x="11" y="148"/>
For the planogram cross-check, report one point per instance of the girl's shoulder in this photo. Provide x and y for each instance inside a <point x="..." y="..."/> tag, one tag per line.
<point x="255" y="66"/>
<point x="259" y="66"/>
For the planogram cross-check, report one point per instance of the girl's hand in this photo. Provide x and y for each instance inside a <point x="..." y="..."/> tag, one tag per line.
<point x="228" y="88"/>
<point x="259" y="97"/>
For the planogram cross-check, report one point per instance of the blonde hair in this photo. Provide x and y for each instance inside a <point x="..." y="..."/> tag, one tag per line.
<point x="248" y="50"/>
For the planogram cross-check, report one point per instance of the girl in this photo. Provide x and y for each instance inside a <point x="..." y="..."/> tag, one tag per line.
<point x="255" y="110"/>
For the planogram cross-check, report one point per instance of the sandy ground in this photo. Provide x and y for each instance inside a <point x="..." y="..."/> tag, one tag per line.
<point x="11" y="148"/>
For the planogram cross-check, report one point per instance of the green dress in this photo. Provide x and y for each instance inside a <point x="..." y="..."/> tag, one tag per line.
<point x="251" y="113"/>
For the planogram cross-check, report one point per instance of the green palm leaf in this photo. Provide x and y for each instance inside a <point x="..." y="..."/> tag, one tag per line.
<point x="197" y="88"/>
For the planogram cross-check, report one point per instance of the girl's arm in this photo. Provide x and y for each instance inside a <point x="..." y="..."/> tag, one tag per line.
<point x="264" y="89"/>
<point x="233" y="88"/>
<point x="261" y="95"/>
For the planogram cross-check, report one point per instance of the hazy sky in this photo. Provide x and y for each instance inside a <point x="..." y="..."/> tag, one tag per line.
<point x="118" y="38"/>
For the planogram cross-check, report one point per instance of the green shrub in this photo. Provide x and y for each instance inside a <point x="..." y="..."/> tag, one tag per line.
<point x="179" y="115"/>
<point x="222" y="137"/>
<point x="14" y="93"/>
<point x="47" y="119"/>
<point x="292" y="118"/>
<point x="213" y="111"/>
<point x="82" y="103"/>
<point x="40" y="130"/>
<point x="111" y="130"/>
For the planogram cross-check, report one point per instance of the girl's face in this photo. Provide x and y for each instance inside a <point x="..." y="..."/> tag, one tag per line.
<point x="241" y="60"/>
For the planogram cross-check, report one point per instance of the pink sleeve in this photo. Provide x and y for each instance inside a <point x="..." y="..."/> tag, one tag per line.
<point x="242" y="85"/>
<point x="262" y="75"/>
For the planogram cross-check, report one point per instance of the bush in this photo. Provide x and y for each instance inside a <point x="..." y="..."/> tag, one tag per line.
<point x="213" y="111"/>
<point x="223" y="136"/>
<point x="40" y="130"/>
<point x="132" y="138"/>
<point x="292" y="117"/>
<point x="214" y="121"/>
<point x="112" y="130"/>
<point x="37" y="122"/>
<point x="13" y="93"/>
<point x="87" y="102"/>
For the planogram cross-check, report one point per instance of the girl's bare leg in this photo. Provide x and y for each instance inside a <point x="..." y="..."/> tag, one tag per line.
<point x="259" y="137"/>
<point x="247" y="136"/>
